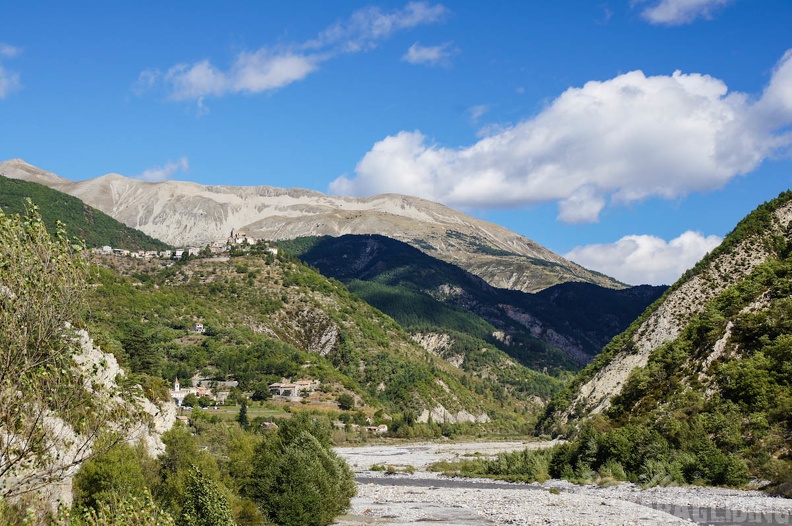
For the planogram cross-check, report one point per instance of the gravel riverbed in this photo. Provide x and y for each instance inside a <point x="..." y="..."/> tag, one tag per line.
<point x="423" y="497"/>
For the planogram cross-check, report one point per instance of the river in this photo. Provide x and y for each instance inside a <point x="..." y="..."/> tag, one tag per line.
<point x="423" y="497"/>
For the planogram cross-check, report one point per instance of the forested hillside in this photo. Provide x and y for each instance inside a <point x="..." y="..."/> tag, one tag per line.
<point x="82" y="221"/>
<point x="558" y="330"/>
<point x="270" y="317"/>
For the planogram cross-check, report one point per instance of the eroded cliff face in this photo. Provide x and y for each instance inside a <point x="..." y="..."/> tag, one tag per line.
<point x="136" y="419"/>
<point x="182" y="213"/>
<point x="667" y="320"/>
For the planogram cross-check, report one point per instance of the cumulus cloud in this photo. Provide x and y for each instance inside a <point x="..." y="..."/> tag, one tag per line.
<point x="609" y="142"/>
<point x="163" y="173"/>
<point x="641" y="259"/>
<point x="428" y="55"/>
<point x="9" y="80"/>
<point x="679" y="12"/>
<point x="267" y="69"/>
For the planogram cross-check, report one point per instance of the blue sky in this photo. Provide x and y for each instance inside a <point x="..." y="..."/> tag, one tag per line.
<point x="627" y="135"/>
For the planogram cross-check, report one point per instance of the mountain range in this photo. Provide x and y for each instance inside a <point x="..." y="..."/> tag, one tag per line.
<point x="183" y="213"/>
<point x="697" y="389"/>
<point x="423" y="259"/>
<point x="425" y="294"/>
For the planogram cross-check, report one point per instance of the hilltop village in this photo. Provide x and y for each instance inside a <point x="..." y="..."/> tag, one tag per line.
<point x="238" y="242"/>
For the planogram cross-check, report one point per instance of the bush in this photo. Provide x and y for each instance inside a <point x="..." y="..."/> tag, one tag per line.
<point x="116" y="473"/>
<point x="346" y="402"/>
<point x="297" y="479"/>
<point x="205" y="504"/>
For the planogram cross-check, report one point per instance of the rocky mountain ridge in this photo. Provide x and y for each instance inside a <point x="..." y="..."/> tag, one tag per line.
<point x="754" y="241"/>
<point x="183" y="213"/>
<point x="566" y="324"/>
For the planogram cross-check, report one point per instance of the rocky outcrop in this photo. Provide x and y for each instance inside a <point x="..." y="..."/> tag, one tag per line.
<point x="686" y="299"/>
<point x="435" y="343"/>
<point x="441" y="415"/>
<point x="316" y="331"/>
<point x="183" y="213"/>
<point x="133" y="417"/>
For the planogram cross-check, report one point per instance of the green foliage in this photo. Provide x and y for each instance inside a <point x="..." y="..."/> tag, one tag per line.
<point x="116" y="473"/>
<point x="190" y="400"/>
<point x="242" y="418"/>
<point x="82" y="221"/>
<point x="298" y="480"/>
<point x="120" y="511"/>
<point x="526" y="465"/>
<point x="205" y="504"/>
<point x="262" y="331"/>
<point x="183" y="454"/>
<point x="42" y="294"/>
<point x="346" y="401"/>
<point x="691" y="417"/>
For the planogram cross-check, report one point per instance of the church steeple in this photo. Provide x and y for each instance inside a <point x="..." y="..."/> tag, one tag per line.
<point x="176" y="384"/>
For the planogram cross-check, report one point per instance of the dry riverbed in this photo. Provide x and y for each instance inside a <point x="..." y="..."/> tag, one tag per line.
<point x="421" y="497"/>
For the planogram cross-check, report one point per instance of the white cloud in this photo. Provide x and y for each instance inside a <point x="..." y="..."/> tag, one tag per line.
<point x="678" y="12"/>
<point x="477" y="112"/>
<point x="368" y="25"/>
<point x="9" y="51"/>
<point x="267" y="69"/>
<point x="163" y="173"/>
<point x="643" y="259"/>
<point x="609" y="142"/>
<point x="428" y="55"/>
<point x="250" y="73"/>
<point x="9" y="80"/>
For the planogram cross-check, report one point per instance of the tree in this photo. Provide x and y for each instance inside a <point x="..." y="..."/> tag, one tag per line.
<point x="114" y="474"/>
<point x="182" y="455"/>
<point x="296" y="480"/>
<point x="242" y="417"/>
<point x="191" y="400"/>
<point x="120" y="511"/>
<point x="48" y="418"/>
<point x="205" y="504"/>
<point x="346" y="402"/>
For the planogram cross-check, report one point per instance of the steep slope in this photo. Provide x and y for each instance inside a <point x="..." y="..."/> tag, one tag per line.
<point x="699" y="389"/>
<point x="428" y="295"/>
<point x="82" y="221"/>
<point x="760" y="237"/>
<point x="271" y="317"/>
<point x="182" y="213"/>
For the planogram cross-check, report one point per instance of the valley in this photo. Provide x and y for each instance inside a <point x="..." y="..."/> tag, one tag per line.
<point x="643" y="390"/>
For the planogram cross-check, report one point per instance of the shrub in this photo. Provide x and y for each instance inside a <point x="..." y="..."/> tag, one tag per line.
<point x="115" y="473"/>
<point x="296" y="479"/>
<point x="205" y="504"/>
<point x="346" y="402"/>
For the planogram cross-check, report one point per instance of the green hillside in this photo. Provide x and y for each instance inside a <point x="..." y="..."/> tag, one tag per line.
<point x="268" y="318"/>
<point x="711" y="406"/>
<point x="82" y="221"/>
<point x="558" y="330"/>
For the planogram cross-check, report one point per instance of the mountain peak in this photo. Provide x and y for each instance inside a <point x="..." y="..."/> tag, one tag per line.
<point x="20" y="169"/>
